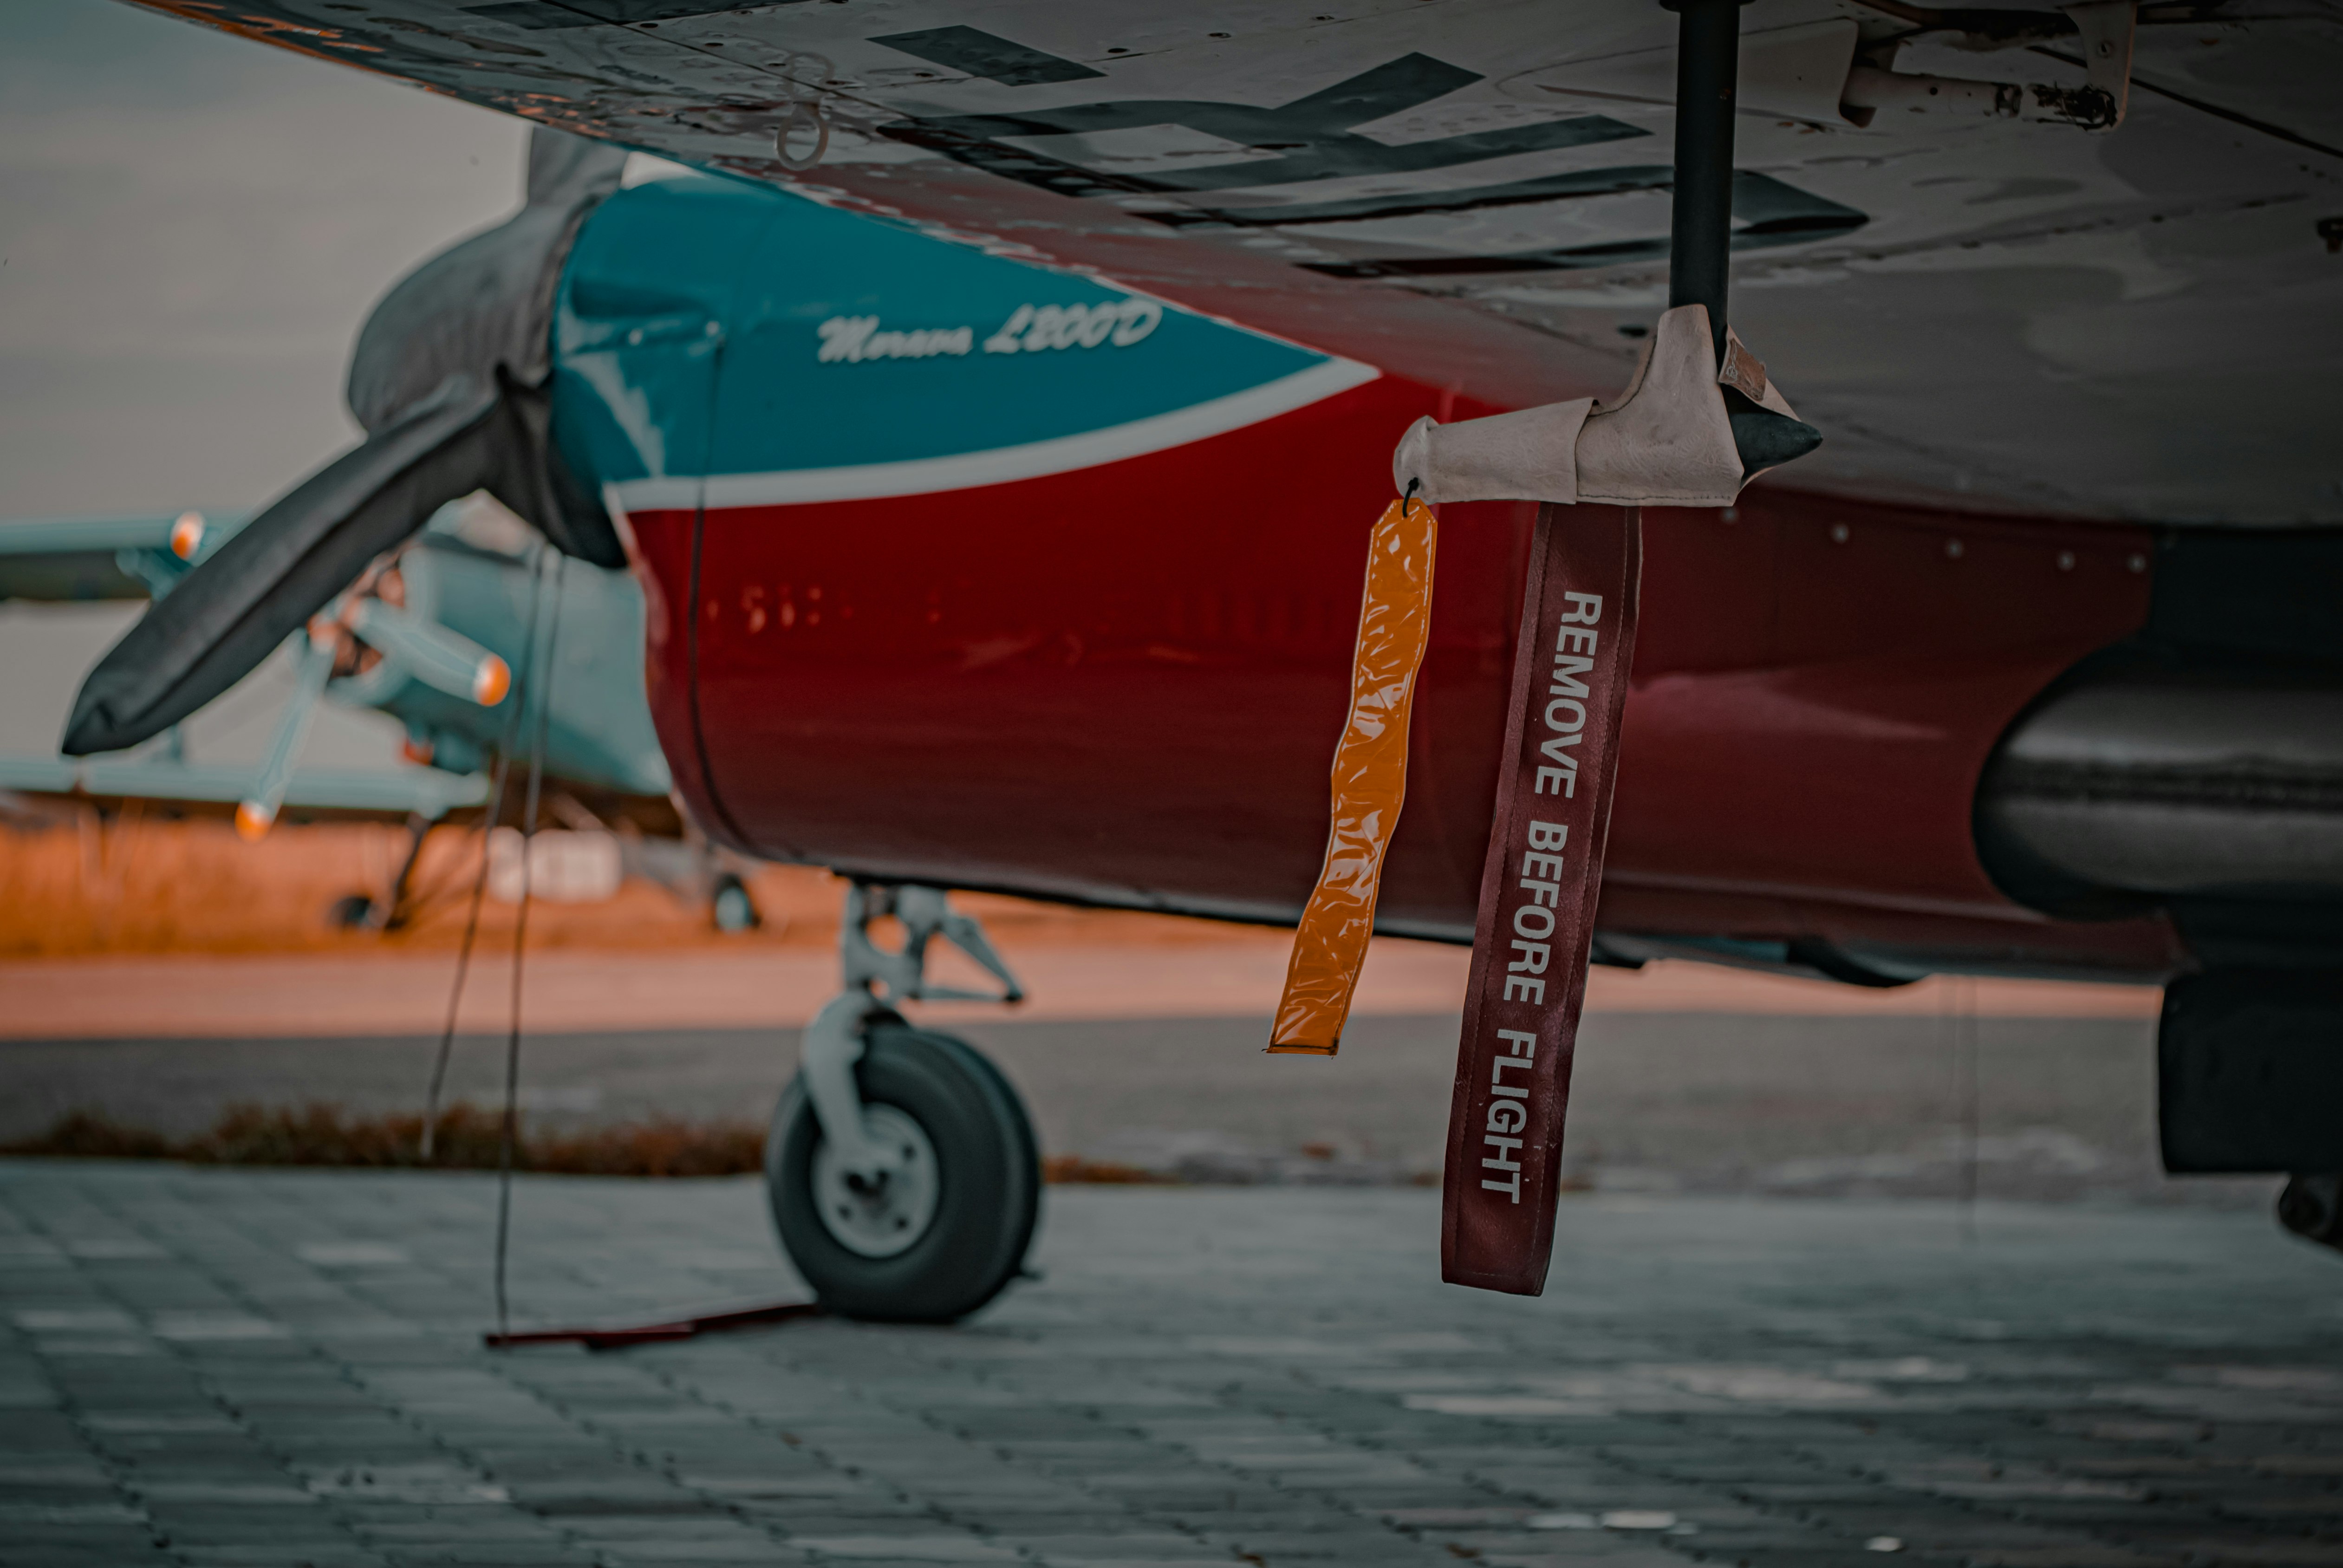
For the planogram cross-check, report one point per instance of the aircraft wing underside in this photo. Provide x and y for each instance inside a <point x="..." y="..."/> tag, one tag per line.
<point x="389" y="794"/>
<point x="1976" y="310"/>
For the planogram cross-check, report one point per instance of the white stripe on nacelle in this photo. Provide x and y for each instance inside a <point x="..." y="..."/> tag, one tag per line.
<point x="1000" y="465"/>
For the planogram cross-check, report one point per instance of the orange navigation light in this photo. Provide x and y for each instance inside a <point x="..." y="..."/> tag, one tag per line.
<point x="1370" y="783"/>
<point x="187" y="535"/>
<point x="253" y="820"/>
<point x="490" y="681"/>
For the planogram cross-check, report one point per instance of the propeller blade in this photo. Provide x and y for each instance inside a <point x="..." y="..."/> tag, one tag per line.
<point x="439" y="657"/>
<point x="313" y="663"/>
<point x="239" y="605"/>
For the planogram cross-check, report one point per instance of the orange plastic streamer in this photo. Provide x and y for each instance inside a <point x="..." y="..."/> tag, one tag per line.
<point x="1370" y="783"/>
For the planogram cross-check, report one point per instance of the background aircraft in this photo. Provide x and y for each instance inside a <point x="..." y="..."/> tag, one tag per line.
<point x="442" y="628"/>
<point x="997" y="487"/>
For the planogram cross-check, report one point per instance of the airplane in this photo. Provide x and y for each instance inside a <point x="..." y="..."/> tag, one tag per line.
<point x="993" y="403"/>
<point x="439" y="660"/>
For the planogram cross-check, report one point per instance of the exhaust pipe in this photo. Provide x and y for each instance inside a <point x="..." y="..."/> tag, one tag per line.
<point x="2139" y="786"/>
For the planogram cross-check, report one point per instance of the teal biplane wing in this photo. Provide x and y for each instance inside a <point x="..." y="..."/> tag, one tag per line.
<point x="82" y="558"/>
<point x="437" y="636"/>
<point x="392" y="794"/>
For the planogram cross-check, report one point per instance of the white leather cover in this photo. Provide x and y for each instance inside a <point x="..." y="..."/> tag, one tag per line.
<point x="1526" y="456"/>
<point x="1664" y="441"/>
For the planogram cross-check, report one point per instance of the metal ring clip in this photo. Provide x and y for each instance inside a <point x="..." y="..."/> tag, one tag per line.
<point x="811" y="111"/>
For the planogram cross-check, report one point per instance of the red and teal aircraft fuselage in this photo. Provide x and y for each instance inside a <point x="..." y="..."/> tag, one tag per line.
<point x="969" y="571"/>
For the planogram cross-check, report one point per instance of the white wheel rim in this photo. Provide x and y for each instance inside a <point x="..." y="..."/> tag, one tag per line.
<point x="882" y="1219"/>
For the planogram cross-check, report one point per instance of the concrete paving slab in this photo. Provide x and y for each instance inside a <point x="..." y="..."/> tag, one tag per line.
<point x="1270" y="1375"/>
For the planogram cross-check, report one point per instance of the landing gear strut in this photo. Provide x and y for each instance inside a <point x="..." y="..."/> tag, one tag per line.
<point x="389" y="909"/>
<point x="901" y="1168"/>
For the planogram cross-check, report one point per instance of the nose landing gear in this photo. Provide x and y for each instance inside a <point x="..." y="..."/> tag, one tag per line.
<point x="901" y="1168"/>
<point x="2312" y="1208"/>
<point x="885" y="1213"/>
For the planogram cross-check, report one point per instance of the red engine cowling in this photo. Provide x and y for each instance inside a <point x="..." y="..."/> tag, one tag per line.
<point x="1123" y="685"/>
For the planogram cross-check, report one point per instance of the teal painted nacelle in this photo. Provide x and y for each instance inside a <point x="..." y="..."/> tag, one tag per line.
<point x="597" y="729"/>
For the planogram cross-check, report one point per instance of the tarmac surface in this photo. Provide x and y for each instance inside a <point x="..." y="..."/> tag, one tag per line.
<point x="220" y="1367"/>
<point x="2062" y="1108"/>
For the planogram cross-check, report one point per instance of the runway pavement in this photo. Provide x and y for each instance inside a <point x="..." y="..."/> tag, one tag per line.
<point x="1207" y="972"/>
<point x="1707" y="1102"/>
<point x="217" y="1367"/>
<point x="1145" y="1051"/>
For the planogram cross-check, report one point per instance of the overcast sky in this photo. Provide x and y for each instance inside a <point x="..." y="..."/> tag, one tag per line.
<point x="191" y="230"/>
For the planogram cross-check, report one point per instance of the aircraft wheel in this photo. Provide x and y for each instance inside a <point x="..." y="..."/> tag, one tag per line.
<point x="353" y="913"/>
<point x="730" y="906"/>
<point x="940" y="1237"/>
<point x="2312" y="1208"/>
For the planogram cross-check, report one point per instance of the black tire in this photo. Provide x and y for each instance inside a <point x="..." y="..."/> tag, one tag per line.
<point x="731" y="907"/>
<point x="354" y="912"/>
<point x="988" y="1183"/>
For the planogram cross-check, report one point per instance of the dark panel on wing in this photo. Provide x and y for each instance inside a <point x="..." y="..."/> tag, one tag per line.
<point x="546" y="16"/>
<point x="1471" y="198"/>
<point x="1771" y="212"/>
<point x="1315" y="136"/>
<point x="1313" y="132"/>
<point x="983" y="55"/>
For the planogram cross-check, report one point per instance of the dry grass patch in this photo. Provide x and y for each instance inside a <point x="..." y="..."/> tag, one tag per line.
<point x="468" y="1138"/>
<point x="1078" y="1168"/>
